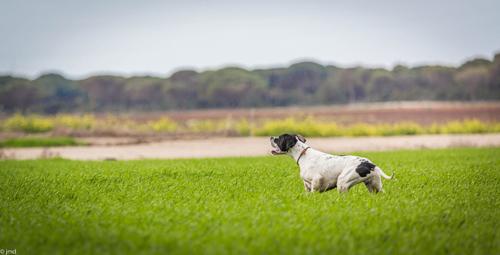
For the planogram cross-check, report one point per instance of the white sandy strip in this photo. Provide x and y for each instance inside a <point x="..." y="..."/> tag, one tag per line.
<point x="252" y="146"/>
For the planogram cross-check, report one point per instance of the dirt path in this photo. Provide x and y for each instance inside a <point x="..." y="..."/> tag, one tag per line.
<point x="250" y="146"/>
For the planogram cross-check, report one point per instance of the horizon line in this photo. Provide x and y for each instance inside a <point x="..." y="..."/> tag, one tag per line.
<point x="249" y="68"/>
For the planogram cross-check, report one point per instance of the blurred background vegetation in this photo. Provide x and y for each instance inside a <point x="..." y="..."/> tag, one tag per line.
<point x="303" y="83"/>
<point x="90" y="125"/>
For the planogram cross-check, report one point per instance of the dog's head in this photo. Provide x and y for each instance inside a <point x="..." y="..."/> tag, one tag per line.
<point x="283" y="143"/>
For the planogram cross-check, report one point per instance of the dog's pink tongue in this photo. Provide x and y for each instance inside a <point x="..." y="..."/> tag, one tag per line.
<point x="275" y="152"/>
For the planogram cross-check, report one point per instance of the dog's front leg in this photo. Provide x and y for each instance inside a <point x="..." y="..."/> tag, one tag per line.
<point x="307" y="185"/>
<point x="316" y="183"/>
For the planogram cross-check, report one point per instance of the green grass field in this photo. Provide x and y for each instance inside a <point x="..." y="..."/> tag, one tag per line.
<point x="442" y="202"/>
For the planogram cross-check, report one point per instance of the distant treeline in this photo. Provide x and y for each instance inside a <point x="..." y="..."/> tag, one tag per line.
<point x="303" y="83"/>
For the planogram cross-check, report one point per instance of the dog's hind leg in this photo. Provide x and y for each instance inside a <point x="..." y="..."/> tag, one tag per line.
<point x="374" y="184"/>
<point x="346" y="180"/>
<point x="369" y="186"/>
<point x="343" y="183"/>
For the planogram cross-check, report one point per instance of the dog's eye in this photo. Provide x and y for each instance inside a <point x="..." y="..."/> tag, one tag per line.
<point x="275" y="140"/>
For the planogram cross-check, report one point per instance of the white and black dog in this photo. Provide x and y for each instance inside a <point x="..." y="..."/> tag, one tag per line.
<point x="321" y="171"/>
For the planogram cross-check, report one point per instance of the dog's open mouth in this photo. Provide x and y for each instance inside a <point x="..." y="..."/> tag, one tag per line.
<point x="277" y="151"/>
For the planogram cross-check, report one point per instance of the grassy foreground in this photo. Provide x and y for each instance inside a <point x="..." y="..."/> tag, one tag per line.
<point x="443" y="202"/>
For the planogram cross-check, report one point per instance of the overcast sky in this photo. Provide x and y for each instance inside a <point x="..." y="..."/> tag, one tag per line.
<point x="80" y="38"/>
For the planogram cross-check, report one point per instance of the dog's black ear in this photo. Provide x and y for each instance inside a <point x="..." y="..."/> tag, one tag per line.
<point x="285" y="142"/>
<point x="301" y="138"/>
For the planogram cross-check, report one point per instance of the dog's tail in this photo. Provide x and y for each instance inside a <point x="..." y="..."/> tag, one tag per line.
<point x="383" y="174"/>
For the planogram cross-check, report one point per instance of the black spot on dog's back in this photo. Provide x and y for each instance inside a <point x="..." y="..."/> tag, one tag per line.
<point x="365" y="168"/>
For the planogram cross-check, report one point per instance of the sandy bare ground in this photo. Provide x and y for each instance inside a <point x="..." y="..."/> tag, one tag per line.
<point x="250" y="146"/>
